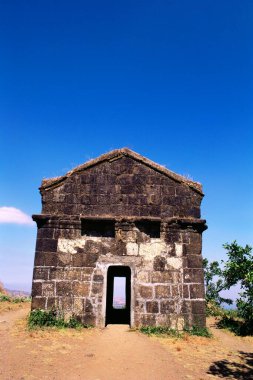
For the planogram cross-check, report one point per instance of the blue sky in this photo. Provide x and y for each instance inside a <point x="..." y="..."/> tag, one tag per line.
<point x="171" y="80"/>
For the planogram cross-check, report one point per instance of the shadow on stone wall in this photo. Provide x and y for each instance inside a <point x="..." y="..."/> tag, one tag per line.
<point x="234" y="370"/>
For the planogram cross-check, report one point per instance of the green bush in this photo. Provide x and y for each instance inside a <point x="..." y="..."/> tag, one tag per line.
<point x="4" y="297"/>
<point x="166" y="331"/>
<point x="159" y="331"/>
<point x="213" y="310"/>
<point x="7" y="298"/>
<point x="21" y="299"/>
<point x="235" y="324"/>
<point x="42" y="318"/>
<point x="198" y="331"/>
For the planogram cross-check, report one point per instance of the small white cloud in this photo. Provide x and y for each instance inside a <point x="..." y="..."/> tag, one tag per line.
<point x="15" y="216"/>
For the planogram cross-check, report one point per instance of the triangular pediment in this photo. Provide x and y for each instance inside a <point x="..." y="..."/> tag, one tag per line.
<point x="116" y="155"/>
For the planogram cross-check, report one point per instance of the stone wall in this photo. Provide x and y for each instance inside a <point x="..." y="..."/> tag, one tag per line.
<point x="156" y="232"/>
<point x="123" y="187"/>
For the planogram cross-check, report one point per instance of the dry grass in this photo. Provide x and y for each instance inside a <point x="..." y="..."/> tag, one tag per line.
<point x="9" y="306"/>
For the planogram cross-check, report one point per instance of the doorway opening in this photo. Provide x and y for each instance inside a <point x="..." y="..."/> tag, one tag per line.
<point x="118" y="297"/>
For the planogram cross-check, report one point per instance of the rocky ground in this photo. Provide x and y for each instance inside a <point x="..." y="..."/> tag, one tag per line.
<point x="117" y="353"/>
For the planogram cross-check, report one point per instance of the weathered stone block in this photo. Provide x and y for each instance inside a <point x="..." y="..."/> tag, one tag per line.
<point x="39" y="259"/>
<point x="198" y="307"/>
<point x="38" y="303"/>
<point x="97" y="288"/>
<point x="40" y="274"/>
<point x="78" y="306"/>
<point x="159" y="263"/>
<point x="146" y="291"/>
<point x="186" y="307"/>
<point x="152" y="307"/>
<point x="66" y="304"/>
<point x="165" y="277"/>
<point x="78" y="260"/>
<point x="48" y="289"/>
<point x="98" y="278"/>
<point x="194" y="275"/>
<point x="147" y="319"/>
<point x="197" y="291"/>
<point x="199" y="320"/>
<point x="56" y="273"/>
<point x="90" y="259"/>
<point x="63" y="288"/>
<point x="88" y="306"/>
<point x="50" y="259"/>
<point x="64" y="259"/>
<point x="162" y="291"/>
<point x="186" y="292"/>
<point x="49" y="245"/>
<point x="176" y="291"/>
<point x="36" y="289"/>
<point x="73" y="274"/>
<point x="45" y="233"/>
<point x="143" y="276"/>
<point x="167" y="306"/>
<point x="172" y="235"/>
<point x="194" y="261"/>
<point x="39" y="245"/>
<point x="139" y="306"/>
<point x="51" y="303"/>
<point x="81" y="289"/>
<point x="89" y="319"/>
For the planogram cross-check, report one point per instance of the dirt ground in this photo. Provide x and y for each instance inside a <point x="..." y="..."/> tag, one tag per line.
<point x="117" y="353"/>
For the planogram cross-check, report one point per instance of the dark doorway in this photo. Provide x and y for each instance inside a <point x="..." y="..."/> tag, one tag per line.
<point x="118" y="308"/>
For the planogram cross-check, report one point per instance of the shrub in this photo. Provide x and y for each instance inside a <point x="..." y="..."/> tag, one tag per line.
<point x="4" y="297"/>
<point x="159" y="331"/>
<point x="239" y="270"/>
<point x="166" y="331"/>
<point x="198" y="331"/>
<point x="7" y="298"/>
<point x="42" y="318"/>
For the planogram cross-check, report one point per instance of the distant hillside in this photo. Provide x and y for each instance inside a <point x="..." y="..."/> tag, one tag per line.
<point x="18" y="293"/>
<point x="2" y="290"/>
<point x="13" y="293"/>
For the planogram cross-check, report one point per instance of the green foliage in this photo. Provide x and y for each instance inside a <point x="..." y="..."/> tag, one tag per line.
<point x="238" y="269"/>
<point x="199" y="331"/>
<point x="73" y="323"/>
<point x="235" y="324"/>
<point x="214" y="284"/>
<point x="160" y="331"/>
<point x="41" y="318"/>
<point x="4" y="298"/>
<point x="168" y="332"/>
<point x="21" y="299"/>
<point x="214" y="310"/>
<point x="7" y="298"/>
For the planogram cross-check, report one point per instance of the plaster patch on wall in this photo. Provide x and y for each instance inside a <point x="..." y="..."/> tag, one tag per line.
<point x="132" y="249"/>
<point x="178" y="249"/>
<point x="153" y="248"/>
<point x="71" y="245"/>
<point x="174" y="262"/>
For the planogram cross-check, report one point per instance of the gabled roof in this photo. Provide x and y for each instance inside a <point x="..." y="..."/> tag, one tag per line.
<point x="117" y="154"/>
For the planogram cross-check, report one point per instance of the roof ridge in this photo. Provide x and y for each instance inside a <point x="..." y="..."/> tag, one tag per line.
<point x="116" y="153"/>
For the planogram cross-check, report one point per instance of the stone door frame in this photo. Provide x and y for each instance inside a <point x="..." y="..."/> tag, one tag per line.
<point x="132" y="300"/>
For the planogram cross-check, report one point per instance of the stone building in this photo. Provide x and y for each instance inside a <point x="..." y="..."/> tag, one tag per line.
<point x="121" y="215"/>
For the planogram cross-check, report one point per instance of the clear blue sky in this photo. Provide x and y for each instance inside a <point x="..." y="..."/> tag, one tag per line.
<point x="171" y="80"/>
